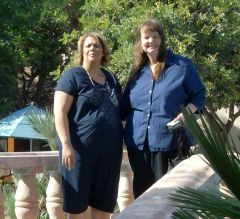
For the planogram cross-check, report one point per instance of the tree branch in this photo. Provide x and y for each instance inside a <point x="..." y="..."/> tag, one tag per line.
<point x="214" y="115"/>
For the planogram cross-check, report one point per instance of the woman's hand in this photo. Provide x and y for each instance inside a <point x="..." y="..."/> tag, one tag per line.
<point x="68" y="158"/>
<point x="180" y="116"/>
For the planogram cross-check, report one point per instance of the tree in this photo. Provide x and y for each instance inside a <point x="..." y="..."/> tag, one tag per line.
<point x="43" y="36"/>
<point x="34" y="45"/>
<point x="207" y="32"/>
<point x="216" y="51"/>
<point x="8" y="85"/>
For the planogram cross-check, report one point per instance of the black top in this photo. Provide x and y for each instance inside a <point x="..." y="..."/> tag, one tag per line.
<point x="94" y="119"/>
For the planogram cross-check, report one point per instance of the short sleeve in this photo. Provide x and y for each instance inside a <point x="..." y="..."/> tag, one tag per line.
<point x="67" y="83"/>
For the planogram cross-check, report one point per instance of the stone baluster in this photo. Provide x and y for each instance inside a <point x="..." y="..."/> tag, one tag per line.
<point x="26" y="197"/>
<point x="54" y="196"/>
<point x="125" y="189"/>
<point x="3" y="172"/>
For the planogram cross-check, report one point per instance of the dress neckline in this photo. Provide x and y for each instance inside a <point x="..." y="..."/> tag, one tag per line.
<point x="93" y="82"/>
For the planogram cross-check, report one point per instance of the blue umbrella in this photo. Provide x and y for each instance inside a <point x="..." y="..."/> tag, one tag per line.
<point x="17" y="125"/>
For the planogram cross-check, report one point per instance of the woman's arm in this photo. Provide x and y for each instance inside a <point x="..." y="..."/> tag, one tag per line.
<point x="195" y="89"/>
<point x="62" y="105"/>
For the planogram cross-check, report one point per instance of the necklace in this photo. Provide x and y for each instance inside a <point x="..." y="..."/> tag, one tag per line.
<point x="112" y="95"/>
<point x="90" y="78"/>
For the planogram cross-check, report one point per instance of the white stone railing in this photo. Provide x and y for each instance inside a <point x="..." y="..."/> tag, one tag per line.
<point x="28" y="164"/>
<point x="154" y="203"/>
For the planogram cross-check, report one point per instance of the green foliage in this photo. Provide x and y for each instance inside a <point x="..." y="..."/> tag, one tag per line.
<point x="225" y="160"/>
<point x="43" y="123"/>
<point x="120" y="63"/>
<point x="205" y="32"/>
<point x="9" y="189"/>
<point x="42" y="35"/>
<point x="42" y="180"/>
<point x="32" y="32"/>
<point x="117" y="21"/>
<point x="200" y="30"/>
<point x="204" y="203"/>
<point x="8" y="81"/>
<point x="70" y="64"/>
<point x="9" y="192"/>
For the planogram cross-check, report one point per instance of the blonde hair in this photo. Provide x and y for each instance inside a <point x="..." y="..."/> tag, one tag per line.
<point x="106" y="53"/>
<point x="141" y="57"/>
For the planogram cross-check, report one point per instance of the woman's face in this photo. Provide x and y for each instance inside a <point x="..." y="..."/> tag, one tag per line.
<point x="150" y="42"/>
<point x="92" y="50"/>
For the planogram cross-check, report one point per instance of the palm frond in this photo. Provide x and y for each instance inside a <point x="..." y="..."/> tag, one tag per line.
<point x="182" y="214"/>
<point x="9" y="192"/>
<point x="223" y="157"/>
<point x="43" y="123"/>
<point x="209" y="203"/>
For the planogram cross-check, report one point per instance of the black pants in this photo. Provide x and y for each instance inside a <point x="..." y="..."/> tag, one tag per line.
<point x="147" y="167"/>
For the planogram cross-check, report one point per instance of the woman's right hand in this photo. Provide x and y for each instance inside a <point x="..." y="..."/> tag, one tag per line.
<point x="68" y="158"/>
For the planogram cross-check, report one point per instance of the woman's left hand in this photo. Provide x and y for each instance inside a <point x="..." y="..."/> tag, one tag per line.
<point x="179" y="117"/>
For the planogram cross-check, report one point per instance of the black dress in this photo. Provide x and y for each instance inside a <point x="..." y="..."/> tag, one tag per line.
<point x="96" y="136"/>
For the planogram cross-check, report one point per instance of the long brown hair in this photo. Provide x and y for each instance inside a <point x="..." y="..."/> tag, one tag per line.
<point x="106" y="52"/>
<point x="141" y="57"/>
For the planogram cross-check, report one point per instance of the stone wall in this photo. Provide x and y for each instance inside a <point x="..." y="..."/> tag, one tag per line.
<point x="155" y="204"/>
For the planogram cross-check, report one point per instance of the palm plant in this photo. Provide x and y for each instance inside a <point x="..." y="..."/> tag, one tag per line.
<point x="42" y="122"/>
<point x="224" y="159"/>
<point x="42" y="182"/>
<point x="9" y="191"/>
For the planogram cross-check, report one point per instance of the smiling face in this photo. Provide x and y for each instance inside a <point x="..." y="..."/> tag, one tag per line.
<point x="92" y="50"/>
<point x="150" y="42"/>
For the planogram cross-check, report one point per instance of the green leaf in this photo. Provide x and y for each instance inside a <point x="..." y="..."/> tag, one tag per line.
<point x="224" y="159"/>
<point x="43" y="123"/>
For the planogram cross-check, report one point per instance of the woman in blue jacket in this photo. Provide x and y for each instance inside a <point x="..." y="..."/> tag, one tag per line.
<point x="160" y="83"/>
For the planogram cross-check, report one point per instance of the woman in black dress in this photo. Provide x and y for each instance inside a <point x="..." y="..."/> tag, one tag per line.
<point x="90" y="131"/>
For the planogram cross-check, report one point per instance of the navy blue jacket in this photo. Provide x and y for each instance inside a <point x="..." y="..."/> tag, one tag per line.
<point x="149" y="105"/>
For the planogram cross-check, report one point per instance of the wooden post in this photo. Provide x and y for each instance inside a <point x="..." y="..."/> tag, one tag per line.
<point x="11" y="145"/>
